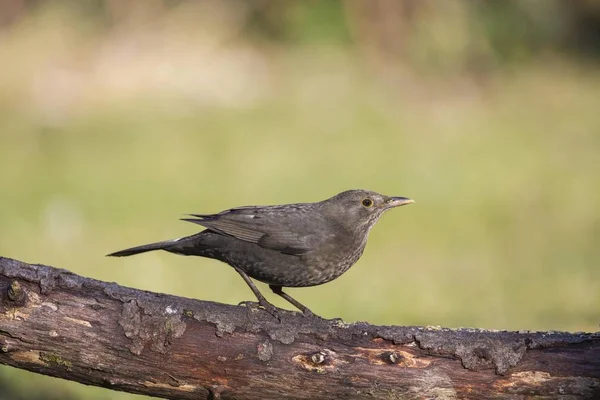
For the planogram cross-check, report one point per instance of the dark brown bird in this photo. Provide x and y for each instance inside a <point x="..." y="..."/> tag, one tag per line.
<point x="290" y="245"/>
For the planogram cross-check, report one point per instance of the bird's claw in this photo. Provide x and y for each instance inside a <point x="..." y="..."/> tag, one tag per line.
<point x="249" y="304"/>
<point x="271" y="309"/>
<point x="268" y="307"/>
<point x="307" y="313"/>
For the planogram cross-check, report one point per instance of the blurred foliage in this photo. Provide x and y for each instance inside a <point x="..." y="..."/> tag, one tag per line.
<point x="19" y="389"/>
<point x="117" y="117"/>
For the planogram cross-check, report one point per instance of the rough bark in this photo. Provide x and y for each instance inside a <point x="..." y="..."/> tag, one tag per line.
<point x="57" y="323"/>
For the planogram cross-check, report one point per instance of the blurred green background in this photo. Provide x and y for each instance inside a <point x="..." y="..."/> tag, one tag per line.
<point x="118" y="117"/>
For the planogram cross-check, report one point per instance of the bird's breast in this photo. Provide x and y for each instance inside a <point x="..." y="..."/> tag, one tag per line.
<point x="332" y="260"/>
<point x="324" y="263"/>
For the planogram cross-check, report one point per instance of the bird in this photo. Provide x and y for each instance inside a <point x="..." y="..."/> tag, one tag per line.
<point x="289" y="245"/>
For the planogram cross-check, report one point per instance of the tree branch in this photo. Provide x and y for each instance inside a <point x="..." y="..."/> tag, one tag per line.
<point x="57" y="323"/>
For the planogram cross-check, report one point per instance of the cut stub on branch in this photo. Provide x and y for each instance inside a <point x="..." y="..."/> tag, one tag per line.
<point x="60" y="324"/>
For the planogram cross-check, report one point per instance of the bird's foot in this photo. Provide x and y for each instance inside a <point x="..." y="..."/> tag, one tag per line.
<point x="249" y="304"/>
<point x="271" y="309"/>
<point x="268" y="307"/>
<point x="307" y="313"/>
<point x="337" y="321"/>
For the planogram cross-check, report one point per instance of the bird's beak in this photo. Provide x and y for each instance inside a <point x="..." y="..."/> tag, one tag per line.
<point x="398" y="201"/>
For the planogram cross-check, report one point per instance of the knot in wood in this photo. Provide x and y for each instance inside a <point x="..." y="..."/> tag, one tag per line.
<point x="319" y="361"/>
<point x="318" y="358"/>
<point x="392" y="357"/>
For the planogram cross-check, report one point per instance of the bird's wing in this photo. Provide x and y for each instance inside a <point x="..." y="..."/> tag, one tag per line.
<point x="271" y="228"/>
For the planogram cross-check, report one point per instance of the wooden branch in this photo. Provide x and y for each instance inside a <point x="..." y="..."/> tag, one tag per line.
<point x="57" y="323"/>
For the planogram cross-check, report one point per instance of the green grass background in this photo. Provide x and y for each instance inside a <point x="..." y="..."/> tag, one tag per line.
<point x="504" y="234"/>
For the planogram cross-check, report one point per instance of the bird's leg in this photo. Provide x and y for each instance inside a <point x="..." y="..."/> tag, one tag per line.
<point x="271" y="309"/>
<point x="279" y="291"/>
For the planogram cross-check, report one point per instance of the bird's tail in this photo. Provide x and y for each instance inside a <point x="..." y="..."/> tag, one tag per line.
<point x="166" y="245"/>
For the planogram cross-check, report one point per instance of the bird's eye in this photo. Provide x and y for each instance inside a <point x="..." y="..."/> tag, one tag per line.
<point x="367" y="202"/>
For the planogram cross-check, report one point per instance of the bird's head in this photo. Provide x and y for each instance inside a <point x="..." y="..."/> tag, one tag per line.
<point x="361" y="208"/>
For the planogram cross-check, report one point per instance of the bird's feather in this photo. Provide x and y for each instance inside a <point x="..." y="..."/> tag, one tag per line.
<point x="267" y="227"/>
